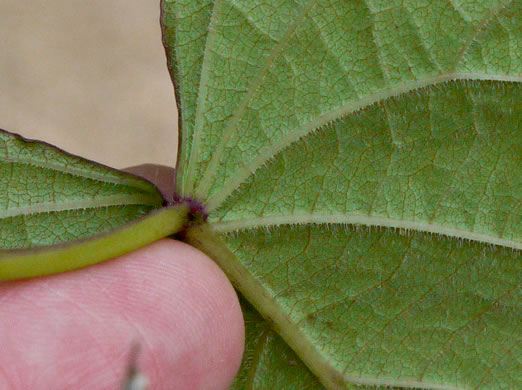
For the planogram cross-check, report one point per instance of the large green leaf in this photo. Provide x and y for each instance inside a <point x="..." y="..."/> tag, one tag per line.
<point x="49" y="198"/>
<point x="360" y="161"/>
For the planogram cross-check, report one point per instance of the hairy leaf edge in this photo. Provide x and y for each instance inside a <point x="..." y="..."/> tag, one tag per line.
<point x="108" y="201"/>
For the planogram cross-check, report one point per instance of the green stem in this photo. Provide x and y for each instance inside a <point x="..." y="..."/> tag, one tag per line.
<point x="47" y="260"/>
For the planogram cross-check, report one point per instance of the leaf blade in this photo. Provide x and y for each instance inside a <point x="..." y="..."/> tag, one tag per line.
<point x="276" y="73"/>
<point x="381" y="309"/>
<point x="372" y="64"/>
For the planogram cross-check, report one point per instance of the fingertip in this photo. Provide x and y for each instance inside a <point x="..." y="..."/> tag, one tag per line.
<point x="169" y="298"/>
<point x="215" y="335"/>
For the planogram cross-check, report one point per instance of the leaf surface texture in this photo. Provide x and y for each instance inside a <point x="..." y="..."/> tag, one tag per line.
<point x="361" y="164"/>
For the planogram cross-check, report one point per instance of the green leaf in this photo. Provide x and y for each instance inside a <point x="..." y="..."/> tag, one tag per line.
<point x="59" y="212"/>
<point x="360" y="162"/>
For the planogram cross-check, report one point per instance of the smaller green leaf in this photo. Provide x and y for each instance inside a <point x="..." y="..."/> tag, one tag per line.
<point x="57" y="209"/>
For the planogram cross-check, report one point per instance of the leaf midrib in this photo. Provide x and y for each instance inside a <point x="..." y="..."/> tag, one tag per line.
<point x="248" y="169"/>
<point x="99" y="202"/>
<point x="203" y="81"/>
<point x="229" y="131"/>
<point x="365" y="220"/>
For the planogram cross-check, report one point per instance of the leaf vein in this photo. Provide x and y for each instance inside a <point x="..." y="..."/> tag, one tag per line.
<point x="250" y="167"/>
<point x="256" y="222"/>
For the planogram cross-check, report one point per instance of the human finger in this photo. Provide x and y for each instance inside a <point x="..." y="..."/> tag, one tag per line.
<point x="76" y="330"/>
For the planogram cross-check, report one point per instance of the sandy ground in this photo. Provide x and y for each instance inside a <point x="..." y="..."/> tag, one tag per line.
<point x="88" y="76"/>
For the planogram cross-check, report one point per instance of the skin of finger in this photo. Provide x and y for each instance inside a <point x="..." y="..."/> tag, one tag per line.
<point x="77" y="329"/>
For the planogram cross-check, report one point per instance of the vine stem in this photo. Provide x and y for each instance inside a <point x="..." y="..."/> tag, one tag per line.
<point x="53" y="259"/>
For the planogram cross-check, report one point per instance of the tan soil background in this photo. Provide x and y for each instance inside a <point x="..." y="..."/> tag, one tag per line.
<point x="90" y="77"/>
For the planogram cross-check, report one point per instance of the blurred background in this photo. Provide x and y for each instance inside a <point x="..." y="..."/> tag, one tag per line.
<point x="89" y="77"/>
